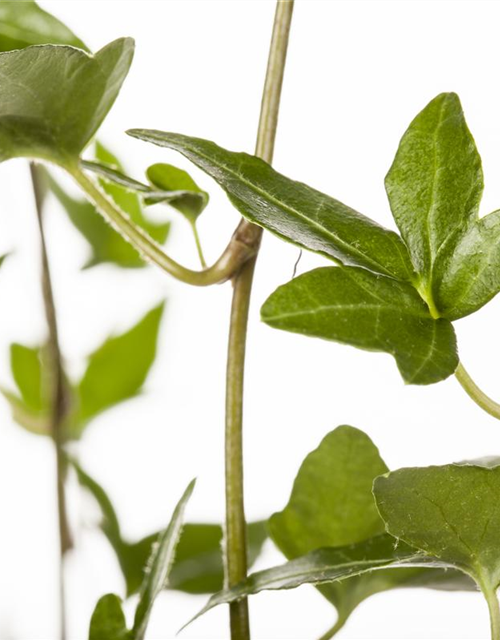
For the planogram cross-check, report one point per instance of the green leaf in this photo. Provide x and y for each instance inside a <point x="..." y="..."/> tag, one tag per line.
<point x="292" y="210"/>
<point x="108" y="620"/>
<point x="24" y="23"/>
<point x="435" y="183"/>
<point x="191" y="201"/>
<point x="26" y="368"/>
<point x="117" y="370"/>
<point x="54" y="98"/>
<point x="356" y="307"/>
<point x="198" y="566"/>
<point x="159" y="566"/>
<point x="332" y="565"/>
<point x="31" y="408"/>
<point x="332" y="505"/>
<point x="451" y="512"/>
<point x="469" y="277"/>
<point x="107" y="245"/>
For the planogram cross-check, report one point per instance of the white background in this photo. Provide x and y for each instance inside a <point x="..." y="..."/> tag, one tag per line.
<point x="357" y="73"/>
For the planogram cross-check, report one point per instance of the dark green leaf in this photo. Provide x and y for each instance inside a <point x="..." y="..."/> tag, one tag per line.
<point x="108" y="620"/>
<point x="371" y="312"/>
<point x="435" y="183"/>
<point x="118" y="369"/>
<point x="469" y="277"/>
<point x="292" y="210"/>
<point x="24" y="23"/>
<point x="328" y="565"/>
<point x="451" y="512"/>
<point x="54" y="98"/>
<point x="159" y="566"/>
<point x="166" y="178"/>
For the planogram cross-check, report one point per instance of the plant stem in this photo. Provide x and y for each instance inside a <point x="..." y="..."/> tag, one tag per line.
<point x="494" y="611"/>
<point x="235" y="532"/>
<point x="334" y="630"/>
<point x="242" y="246"/>
<point x="198" y="245"/>
<point x="59" y="394"/>
<point x="474" y="392"/>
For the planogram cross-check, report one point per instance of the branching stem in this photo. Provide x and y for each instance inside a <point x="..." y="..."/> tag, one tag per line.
<point x="58" y="390"/>
<point x="235" y="540"/>
<point x="242" y="246"/>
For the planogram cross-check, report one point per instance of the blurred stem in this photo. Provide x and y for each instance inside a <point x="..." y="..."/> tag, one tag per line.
<point x="58" y="390"/>
<point x="235" y="532"/>
<point x="335" y="629"/>
<point x="198" y="245"/>
<point x="474" y="392"/>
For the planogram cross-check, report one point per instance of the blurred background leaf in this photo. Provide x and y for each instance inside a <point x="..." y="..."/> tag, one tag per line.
<point x="117" y="370"/>
<point x="198" y="565"/>
<point x="24" y="23"/>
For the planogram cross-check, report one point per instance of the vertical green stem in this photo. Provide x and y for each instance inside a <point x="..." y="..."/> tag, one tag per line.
<point x="59" y="399"/>
<point x="235" y="541"/>
<point x="494" y="610"/>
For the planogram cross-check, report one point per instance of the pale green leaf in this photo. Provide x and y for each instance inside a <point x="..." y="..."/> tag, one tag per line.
<point x="292" y="210"/>
<point x="24" y="23"/>
<point x="118" y="369"/>
<point x="356" y="307"/>
<point x="54" y="98"/>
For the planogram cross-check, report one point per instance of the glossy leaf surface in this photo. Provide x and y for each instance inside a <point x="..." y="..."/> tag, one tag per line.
<point x="469" y="277"/>
<point x="292" y="210"/>
<point x="24" y="23"/>
<point x="371" y="312"/>
<point x="435" y="183"/>
<point x="54" y="98"/>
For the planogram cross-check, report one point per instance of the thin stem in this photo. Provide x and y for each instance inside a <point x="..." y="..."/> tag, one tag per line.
<point x="235" y="540"/>
<point x="198" y="245"/>
<point x="474" y="392"/>
<point x="334" y="630"/>
<point x="59" y="393"/>
<point x="242" y="246"/>
<point x="494" y="611"/>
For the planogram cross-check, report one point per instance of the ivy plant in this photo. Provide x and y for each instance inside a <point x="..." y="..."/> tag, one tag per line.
<point x="351" y="527"/>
